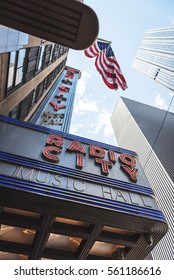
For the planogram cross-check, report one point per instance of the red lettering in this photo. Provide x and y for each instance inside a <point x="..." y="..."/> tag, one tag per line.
<point x="50" y="152"/>
<point x="127" y="159"/>
<point x="96" y="151"/>
<point x="61" y="107"/>
<point x="112" y="156"/>
<point x="80" y="161"/>
<point x="66" y="89"/>
<point x="69" y="76"/>
<point x="56" y="106"/>
<point x="104" y="165"/>
<point x="131" y="172"/>
<point x="54" y="140"/>
<point x="71" y="71"/>
<point x="77" y="147"/>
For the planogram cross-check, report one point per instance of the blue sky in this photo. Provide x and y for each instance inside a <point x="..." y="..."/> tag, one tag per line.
<point x="123" y="22"/>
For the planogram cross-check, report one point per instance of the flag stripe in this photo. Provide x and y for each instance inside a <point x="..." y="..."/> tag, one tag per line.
<point x="107" y="68"/>
<point x="112" y="64"/>
<point x="111" y="72"/>
<point x="93" y="50"/>
<point x="106" y="64"/>
<point x="111" y="82"/>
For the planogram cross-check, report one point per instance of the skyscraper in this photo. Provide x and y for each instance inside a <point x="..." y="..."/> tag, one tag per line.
<point x="155" y="56"/>
<point x="140" y="127"/>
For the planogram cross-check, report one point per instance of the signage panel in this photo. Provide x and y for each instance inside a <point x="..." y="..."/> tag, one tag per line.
<point x="56" y="109"/>
<point x="69" y="150"/>
<point x="56" y="180"/>
<point x="63" y="166"/>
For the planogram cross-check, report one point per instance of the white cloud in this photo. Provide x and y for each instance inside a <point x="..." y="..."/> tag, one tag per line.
<point x="84" y="102"/>
<point x="82" y="83"/>
<point x="86" y="106"/>
<point x="102" y="124"/>
<point x="75" y="128"/>
<point x="90" y="110"/>
<point x="160" y="102"/>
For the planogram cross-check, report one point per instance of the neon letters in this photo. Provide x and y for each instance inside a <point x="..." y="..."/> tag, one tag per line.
<point x="54" y="145"/>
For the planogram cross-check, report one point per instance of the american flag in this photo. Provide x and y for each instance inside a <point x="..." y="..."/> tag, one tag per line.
<point x="107" y="64"/>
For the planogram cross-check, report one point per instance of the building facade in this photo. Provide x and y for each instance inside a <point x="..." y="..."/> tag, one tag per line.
<point x="27" y="74"/>
<point x="155" y="56"/>
<point x="138" y="126"/>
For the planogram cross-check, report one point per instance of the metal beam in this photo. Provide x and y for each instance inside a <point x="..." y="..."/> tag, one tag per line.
<point x="86" y="245"/>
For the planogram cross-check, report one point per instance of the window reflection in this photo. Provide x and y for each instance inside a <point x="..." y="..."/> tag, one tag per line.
<point x="19" y="68"/>
<point x="15" y="71"/>
<point x="39" y="58"/>
<point x="18" y="76"/>
<point x="11" y="69"/>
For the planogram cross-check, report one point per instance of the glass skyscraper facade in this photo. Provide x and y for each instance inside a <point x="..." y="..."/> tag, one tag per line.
<point x="155" y="56"/>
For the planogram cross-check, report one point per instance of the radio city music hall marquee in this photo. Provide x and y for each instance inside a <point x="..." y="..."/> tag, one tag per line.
<point x="55" y="143"/>
<point x="64" y="161"/>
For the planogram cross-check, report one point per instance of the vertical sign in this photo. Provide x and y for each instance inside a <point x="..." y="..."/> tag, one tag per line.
<point x="56" y="110"/>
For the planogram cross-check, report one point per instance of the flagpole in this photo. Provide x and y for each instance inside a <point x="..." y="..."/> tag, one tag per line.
<point x="106" y="41"/>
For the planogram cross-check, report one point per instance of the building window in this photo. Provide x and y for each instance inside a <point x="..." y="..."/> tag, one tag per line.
<point x="39" y="91"/>
<point x="46" y="56"/>
<point x="31" y="62"/>
<point x="11" y="70"/>
<point x="32" y="99"/>
<point x="39" y="58"/>
<point x="19" y="66"/>
<point x="56" y="51"/>
<point x="24" y="107"/>
<point x="14" y="112"/>
<point x="15" y="70"/>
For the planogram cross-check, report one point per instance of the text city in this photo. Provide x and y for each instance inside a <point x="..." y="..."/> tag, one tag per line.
<point x="54" y="146"/>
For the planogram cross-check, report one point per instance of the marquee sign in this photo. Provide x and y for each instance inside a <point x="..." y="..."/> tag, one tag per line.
<point x="54" y="145"/>
<point x="88" y="172"/>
